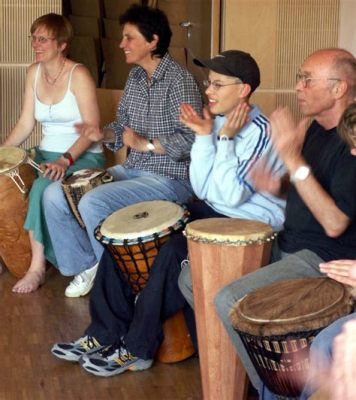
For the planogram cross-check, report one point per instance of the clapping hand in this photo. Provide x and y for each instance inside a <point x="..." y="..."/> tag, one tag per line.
<point x="190" y="118"/>
<point x="235" y="120"/>
<point x="287" y="136"/>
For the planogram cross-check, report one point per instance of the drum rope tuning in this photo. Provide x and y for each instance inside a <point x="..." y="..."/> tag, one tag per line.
<point x="11" y="158"/>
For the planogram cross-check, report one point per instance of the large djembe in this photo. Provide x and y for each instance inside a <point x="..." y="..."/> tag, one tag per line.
<point x="16" y="178"/>
<point x="134" y="235"/>
<point x="221" y="250"/>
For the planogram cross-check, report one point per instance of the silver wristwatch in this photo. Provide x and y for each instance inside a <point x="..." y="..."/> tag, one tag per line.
<point x="150" y="145"/>
<point x="300" y="174"/>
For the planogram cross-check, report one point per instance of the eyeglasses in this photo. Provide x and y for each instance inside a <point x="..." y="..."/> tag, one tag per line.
<point x="217" y="85"/>
<point x="305" y="80"/>
<point x="40" y="39"/>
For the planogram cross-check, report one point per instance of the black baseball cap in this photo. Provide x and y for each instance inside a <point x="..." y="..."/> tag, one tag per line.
<point x="235" y="63"/>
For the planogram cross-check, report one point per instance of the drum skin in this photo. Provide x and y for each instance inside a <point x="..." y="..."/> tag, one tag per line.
<point x="15" y="247"/>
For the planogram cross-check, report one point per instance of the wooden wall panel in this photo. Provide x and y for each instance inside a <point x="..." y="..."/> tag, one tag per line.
<point x="280" y="34"/>
<point x="16" y="54"/>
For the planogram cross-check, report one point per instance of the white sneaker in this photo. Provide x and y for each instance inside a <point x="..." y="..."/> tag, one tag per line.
<point x="82" y="283"/>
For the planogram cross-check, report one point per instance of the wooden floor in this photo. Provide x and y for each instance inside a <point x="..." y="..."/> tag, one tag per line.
<point x="30" y="324"/>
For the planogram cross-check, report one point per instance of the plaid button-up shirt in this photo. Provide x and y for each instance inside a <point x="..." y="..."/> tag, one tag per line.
<point x="152" y="110"/>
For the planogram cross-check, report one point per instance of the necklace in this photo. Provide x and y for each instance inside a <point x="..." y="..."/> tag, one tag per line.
<point x="52" y="81"/>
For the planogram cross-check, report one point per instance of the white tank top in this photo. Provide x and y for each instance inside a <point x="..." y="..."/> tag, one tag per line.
<point x="57" y="120"/>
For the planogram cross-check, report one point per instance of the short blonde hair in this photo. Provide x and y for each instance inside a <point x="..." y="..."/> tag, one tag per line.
<point x="57" y="25"/>
<point x="347" y="125"/>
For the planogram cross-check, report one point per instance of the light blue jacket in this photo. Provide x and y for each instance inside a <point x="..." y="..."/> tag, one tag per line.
<point x="219" y="171"/>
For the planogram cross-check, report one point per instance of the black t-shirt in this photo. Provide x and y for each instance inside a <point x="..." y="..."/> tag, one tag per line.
<point x="335" y="169"/>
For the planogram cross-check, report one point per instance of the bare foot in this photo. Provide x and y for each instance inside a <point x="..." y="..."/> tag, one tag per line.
<point x="30" y="282"/>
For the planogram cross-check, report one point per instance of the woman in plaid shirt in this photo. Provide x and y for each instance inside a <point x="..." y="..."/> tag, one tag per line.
<point x="148" y="124"/>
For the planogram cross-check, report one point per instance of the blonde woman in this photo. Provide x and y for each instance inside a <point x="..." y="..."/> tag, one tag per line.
<point x="58" y="93"/>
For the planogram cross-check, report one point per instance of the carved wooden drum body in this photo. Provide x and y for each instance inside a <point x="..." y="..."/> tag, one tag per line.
<point x="16" y="178"/>
<point x="80" y="182"/>
<point x="221" y="250"/>
<point x="278" y="322"/>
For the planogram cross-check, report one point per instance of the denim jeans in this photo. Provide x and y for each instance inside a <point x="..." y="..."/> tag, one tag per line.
<point x="302" y="264"/>
<point x="76" y="249"/>
<point x="321" y="351"/>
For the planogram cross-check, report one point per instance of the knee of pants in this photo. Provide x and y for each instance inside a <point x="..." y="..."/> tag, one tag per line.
<point x="225" y="300"/>
<point x="53" y="195"/>
<point x="322" y="345"/>
<point x="185" y="281"/>
<point x="89" y="202"/>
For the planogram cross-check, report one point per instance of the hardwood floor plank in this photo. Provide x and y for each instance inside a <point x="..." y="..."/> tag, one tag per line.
<point x="30" y="324"/>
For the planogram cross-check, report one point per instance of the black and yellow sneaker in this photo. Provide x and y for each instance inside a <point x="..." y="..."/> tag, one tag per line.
<point x="113" y="360"/>
<point x="73" y="351"/>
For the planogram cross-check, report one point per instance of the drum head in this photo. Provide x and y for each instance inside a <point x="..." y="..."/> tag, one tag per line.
<point x="10" y="158"/>
<point x="292" y="305"/>
<point x="78" y="178"/>
<point x="228" y="230"/>
<point x="142" y="220"/>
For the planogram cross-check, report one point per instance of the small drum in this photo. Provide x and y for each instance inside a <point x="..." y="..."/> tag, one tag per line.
<point x="278" y="322"/>
<point x="16" y="178"/>
<point x="221" y="250"/>
<point x="80" y="182"/>
<point x="134" y="235"/>
<point x="10" y="160"/>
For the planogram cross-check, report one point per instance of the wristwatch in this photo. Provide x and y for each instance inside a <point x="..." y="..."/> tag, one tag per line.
<point x="224" y="138"/>
<point x="151" y="147"/>
<point x="300" y="174"/>
<point x="68" y="157"/>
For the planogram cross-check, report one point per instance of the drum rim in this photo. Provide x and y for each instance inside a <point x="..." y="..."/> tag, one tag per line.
<point x="142" y="239"/>
<point x="101" y="172"/>
<point x="203" y="234"/>
<point x="178" y="225"/>
<point x="20" y="162"/>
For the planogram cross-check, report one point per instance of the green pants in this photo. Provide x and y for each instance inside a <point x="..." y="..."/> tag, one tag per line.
<point x="35" y="220"/>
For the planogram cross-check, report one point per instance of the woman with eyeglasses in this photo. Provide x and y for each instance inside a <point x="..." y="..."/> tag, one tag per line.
<point x="58" y="93"/>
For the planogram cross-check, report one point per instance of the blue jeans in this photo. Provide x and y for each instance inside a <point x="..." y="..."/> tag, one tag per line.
<point x="302" y="264"/>
<point x="76" y="249"/>
<point x="321" y="350"/>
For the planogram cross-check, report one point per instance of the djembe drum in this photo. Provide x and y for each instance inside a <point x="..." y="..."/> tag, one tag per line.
<point x="221" y="250"/>
<point x="278" y="322"/>
<point x="80" y="182"/>
<point x="16" y="178"/>
<point x="134" y="235"/>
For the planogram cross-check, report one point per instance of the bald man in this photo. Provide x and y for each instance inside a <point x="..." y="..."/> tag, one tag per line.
<point x="321" y="200"/>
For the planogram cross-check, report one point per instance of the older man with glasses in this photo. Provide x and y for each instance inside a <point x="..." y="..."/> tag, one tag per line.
<point x="321" y="201"/>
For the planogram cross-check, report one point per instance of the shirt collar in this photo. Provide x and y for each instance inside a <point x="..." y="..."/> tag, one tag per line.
<point x="140" y="73"/>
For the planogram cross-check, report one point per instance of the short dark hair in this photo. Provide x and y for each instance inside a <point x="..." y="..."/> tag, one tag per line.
<point x="149" y="21"/>
<point x="57" y="25"/>
<point x="347" y="125"/>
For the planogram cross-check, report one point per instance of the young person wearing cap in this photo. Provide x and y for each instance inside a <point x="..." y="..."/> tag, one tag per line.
<point x="126" y="332"/>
